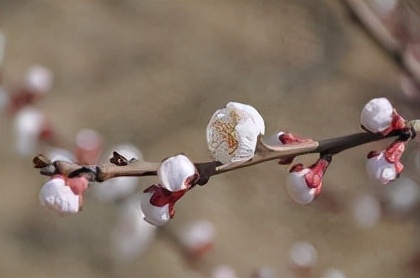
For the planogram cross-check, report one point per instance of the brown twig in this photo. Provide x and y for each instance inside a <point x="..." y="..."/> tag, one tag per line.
<point x="265" y="152"/>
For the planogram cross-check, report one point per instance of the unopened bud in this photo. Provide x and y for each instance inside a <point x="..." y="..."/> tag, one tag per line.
<point x="38" y="79"/>
<point x="377" y="115"/>
<point x="57" y="196"/>
<point x="177" y="173"/>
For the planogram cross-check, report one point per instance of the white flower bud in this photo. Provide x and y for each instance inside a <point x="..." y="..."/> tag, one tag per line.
<point x="381" y="170"/>
<point x="38" y="79"/>
<point x="29" y="123"/>
<point x="155" y="215"/>
<point x="377" y="115"/>
<point x="198" y="236"/>
<point x="131" y="235"/>
<point x="232" y="133"/>
<point x="297" y="188"/>
<point x="175" y="173"/>
<point x="56" y="195"/>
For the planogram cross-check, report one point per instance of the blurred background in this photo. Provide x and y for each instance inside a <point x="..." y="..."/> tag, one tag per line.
<point x="152" y="73"/>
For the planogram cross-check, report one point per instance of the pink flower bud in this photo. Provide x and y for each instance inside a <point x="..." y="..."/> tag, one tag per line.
<point x="284" y="138"/>
<point x="377" y="115"/>
<point x="233" y="131"/>
<point x="177" y="173"/>
<point x="304" y="184"/>
<point x="158" y="204"/>
<point x="57" y="196"/>
<point x="89" y="145"/>
<point x="386" y="166"/>
<point x="38" y="79"/>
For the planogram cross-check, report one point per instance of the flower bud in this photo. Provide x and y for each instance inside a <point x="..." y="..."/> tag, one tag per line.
<point x="232" y="133"/>
<point x="38" y="79"/>
<point x="89" y="145"/>
<point x="377" y="115"/>
<point x="157" y="204"/>
<point x="297" y="188"/>
<point x="31" y="126"/>
<point x="386" y="166"/>
<point x="304" y="184"/>
<point x="131" y="235"/>
<point x="303" y="255"/>
<point x="378" y="168"/>
<point x="177" y="173"/>
<point x="197" y="237"/>
<point x="56" y="195"/>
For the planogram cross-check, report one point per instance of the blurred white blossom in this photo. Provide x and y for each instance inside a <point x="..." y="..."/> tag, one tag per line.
<point x="131" y="235"/>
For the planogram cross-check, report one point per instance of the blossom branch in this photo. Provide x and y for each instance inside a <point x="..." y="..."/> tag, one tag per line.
<point x="265" y="152"/>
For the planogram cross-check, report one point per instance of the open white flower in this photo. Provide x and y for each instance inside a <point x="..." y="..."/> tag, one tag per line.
<point x="176" y="172"/>
<point x="57" y="196"/>
<point x="377" y="115"/>
<point x="379" y="169"/>
<point x="298" y="189"/>
<point x="233" y="131"/>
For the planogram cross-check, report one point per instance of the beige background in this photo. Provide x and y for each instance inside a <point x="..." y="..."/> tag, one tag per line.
<point x="152" y="73"/>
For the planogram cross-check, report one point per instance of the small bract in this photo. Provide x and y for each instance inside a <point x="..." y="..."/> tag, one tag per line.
<point x="379" y="169"/>
<point x="176" y="173"/>
<point x="297" y="188"/>
<point x="154" y="215"/>
<point x="233" y="131"/>
<point x="377" y="115"/>
<point x="57" y="196"/>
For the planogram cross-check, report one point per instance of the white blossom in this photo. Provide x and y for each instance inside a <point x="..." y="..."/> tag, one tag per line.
<point x="57" y="196"/>
<point x="131" y="235"/>
<point x="232" y="133"/>
<point x="197" y="236"/>
<point x="303" y="255"/>
<point x="38" y="79"/>
<point x="175" y="173"/>
<point x="379" y="169"/>
<point x="28" y="124"/>
<point x="297" y="188"/>
<point x="377" y="115"/>
<point x="155" y="215"/>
